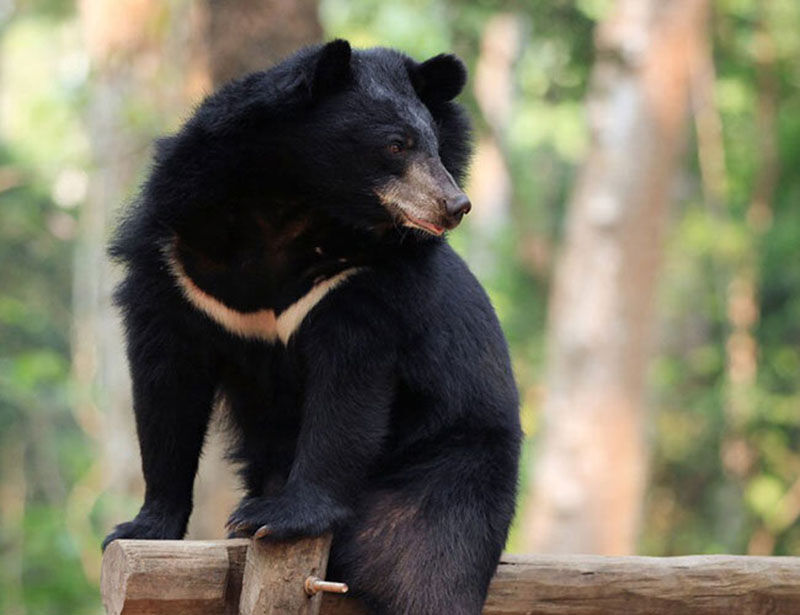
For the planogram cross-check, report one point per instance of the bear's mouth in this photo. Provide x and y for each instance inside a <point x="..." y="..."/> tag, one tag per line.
<point x="424" y="225"/>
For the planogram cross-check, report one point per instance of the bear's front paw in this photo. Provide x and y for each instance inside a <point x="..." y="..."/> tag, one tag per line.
<point x="156" y="526"/>
<point x="282" y="517"/>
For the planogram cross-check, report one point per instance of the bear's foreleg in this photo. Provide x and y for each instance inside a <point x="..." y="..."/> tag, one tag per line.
<point x="173" y="394"/>
<point x="348" y="395"/>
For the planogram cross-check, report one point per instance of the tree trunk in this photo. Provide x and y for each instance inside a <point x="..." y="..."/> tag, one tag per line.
<point x="590" y="473"/>
<point x="490" y="181"/>
<point x="247" y="35"/>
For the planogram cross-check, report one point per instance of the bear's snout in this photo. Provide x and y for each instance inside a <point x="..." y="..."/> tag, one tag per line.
<point x="425" y="197"/>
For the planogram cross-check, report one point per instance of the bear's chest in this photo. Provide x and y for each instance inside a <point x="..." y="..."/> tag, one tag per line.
<point x="267" y="273"/>
<point x="266" y="324"/>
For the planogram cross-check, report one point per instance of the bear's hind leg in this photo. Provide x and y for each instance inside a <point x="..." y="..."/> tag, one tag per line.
<point x="428" y="545"/>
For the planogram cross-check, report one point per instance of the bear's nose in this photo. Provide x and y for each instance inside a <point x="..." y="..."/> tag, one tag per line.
<point x="458" y="206"/>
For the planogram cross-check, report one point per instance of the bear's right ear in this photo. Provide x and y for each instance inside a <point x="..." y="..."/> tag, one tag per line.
<point x="332" y="68"/>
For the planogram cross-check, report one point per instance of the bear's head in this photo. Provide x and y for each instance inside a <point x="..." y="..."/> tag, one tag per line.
<point x="370" y="137"/>
<point x="386" y="114"/>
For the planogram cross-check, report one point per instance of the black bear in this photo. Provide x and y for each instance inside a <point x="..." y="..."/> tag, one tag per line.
<point x="286" y="260"/>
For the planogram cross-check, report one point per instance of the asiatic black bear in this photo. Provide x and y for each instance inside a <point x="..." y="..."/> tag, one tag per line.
<point x="286" y="258"/>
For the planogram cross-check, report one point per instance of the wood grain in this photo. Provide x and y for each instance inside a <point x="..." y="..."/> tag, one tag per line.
<point x="274" y="576"/>
<point x="184" y="577"/>
<point x="193" y="577"/>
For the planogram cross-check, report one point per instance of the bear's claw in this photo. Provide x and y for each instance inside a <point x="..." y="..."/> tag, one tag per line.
<point x="147" y="526"/>
<point x="282" y="517"/>
<point x="261" y="532"/>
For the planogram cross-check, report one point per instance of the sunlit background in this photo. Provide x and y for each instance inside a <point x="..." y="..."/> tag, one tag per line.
<point x="636" y="221"/>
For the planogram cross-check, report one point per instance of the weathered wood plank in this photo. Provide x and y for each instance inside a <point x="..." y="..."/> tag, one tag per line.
<point x="275" y="573"/>
<point x="595" y="585"/>
<point x="185" y="577"/>
<point x="188" y="578"/>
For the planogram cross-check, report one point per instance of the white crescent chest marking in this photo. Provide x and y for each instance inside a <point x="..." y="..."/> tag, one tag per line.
<point x="263" y="324"/>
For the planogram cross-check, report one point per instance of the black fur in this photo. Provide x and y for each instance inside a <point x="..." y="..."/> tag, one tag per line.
<point x="390" y="416"/>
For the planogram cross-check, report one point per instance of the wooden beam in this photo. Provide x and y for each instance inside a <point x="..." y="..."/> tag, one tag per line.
<point x="192" y="577"/>
<point x="184" y="577"/>
<point x="275" y="575"/>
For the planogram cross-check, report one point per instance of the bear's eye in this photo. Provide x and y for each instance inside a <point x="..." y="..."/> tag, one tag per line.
<point x="399" y="145"/>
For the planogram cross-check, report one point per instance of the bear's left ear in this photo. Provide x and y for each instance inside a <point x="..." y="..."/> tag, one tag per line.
<point x="332" y="68"/>
<point x="439" y="79"/>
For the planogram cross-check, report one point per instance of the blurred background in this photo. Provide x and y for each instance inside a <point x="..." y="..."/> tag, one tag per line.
<point x="636" y="221"/>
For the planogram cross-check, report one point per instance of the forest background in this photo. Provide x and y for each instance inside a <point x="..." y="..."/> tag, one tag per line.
<point x="636" y="221"/>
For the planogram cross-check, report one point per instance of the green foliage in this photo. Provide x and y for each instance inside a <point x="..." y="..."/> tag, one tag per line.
<point x="43" y="452"/>
<point x="721" y="482"/>
<point x="35" y="414"/>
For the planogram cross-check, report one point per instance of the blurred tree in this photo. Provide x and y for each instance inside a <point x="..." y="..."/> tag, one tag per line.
<point x="491" y="188"/>
<point x="589" y="476"/>
<point x="41" y="449"/>
<point x="726" y="462"/>
<point x="36" y="434"/>
<point x="247" y="35"/>
<point x="742" y="293"/>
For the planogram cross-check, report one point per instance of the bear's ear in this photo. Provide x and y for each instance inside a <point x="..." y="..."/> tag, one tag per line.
<point x="332" y="68"/>
<point x="439" y="79"/>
